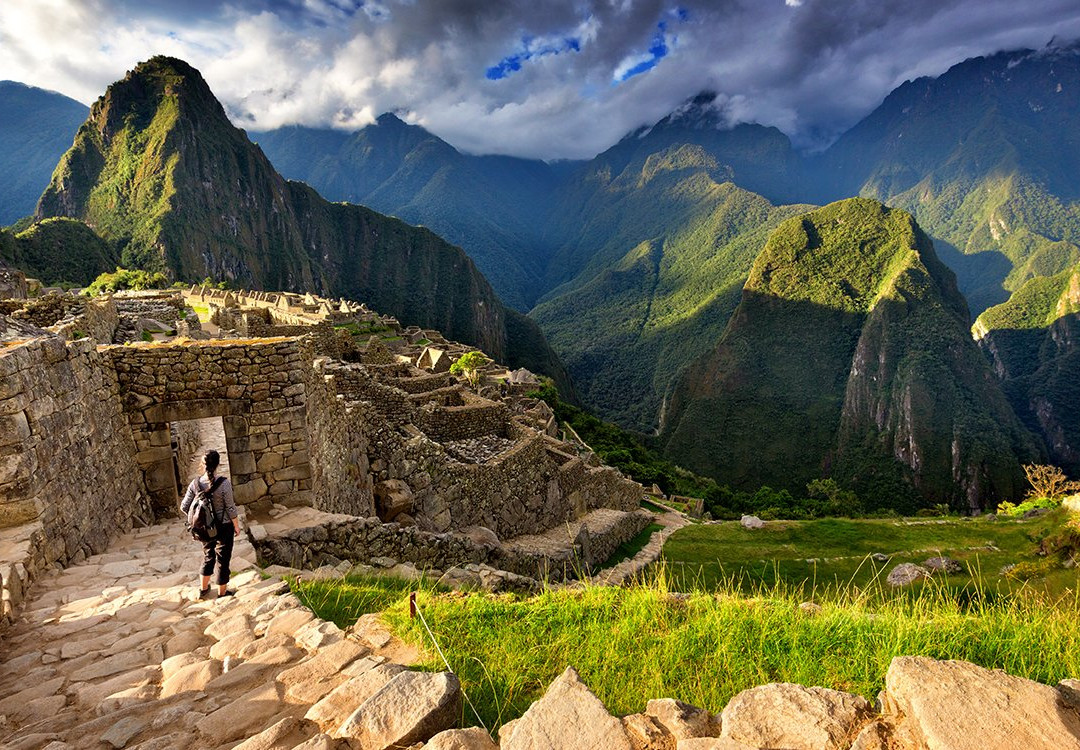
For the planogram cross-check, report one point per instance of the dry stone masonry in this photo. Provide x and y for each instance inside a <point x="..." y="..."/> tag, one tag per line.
<point x="323" y="406"/>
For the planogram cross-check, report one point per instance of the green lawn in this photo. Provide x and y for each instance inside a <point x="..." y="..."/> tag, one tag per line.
<point x="741" y="623"/>
<point x="831" y="552"/>
<point x="636" y="643"/>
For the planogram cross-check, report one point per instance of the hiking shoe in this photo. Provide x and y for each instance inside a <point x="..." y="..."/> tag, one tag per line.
<point x="228" y="592"/>
<point x="204" y="593"/>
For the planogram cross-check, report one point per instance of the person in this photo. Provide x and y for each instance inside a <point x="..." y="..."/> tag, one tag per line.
<point x="219" y="549"/>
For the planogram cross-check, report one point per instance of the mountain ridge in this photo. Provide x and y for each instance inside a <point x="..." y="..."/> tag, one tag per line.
<point x="158" y="170"/>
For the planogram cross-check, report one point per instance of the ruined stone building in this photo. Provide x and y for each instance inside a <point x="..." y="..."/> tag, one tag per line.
<point x="323" y="409"/>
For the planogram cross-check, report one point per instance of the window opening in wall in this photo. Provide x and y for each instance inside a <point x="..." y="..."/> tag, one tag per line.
<point x="190" y="440"/>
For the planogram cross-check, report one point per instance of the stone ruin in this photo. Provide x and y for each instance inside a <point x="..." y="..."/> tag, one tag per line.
<point x="359" y="458"/>
<point x="340" y="448"/>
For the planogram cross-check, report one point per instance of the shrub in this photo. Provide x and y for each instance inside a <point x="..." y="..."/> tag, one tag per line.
<point x="1049" y="482"/>
<point x="468" y="365"/>
<point x="124" y="278"/>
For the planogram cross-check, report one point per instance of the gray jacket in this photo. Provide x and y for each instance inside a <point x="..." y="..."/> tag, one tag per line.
<point x="222" y="499"/>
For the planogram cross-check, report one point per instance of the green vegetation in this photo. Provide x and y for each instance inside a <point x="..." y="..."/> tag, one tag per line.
<point x="845" y="309"/>
<point x="468" y="366"/>
<point x="832" y="554"/>
<point x="124" y="278"/>
<point x="631" y="547"/>
<point x="633" y="644"/>
<point x="1031" y="343"/>
<point x="59" y="252"/>
<point x="661" y="256"/>
<point x="343" y="600"/>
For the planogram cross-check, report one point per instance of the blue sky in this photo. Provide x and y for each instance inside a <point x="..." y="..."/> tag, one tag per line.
<point x="537" y="78"/>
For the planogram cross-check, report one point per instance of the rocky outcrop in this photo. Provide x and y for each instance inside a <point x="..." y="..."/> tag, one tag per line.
<point x="954" y="705"/>
<point x="568" y="717"/>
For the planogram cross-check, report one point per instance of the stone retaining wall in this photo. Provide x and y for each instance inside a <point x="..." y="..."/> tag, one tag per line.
<point x="474" y="418"/>
<point x="257" y="387"/>
<point x="68" y="479"/>
<point x="361" y="540"/>
<point x="340" y="473"/>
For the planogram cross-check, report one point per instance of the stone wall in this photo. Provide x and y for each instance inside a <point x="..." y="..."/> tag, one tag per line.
<point x="257" y="387"/>
<point x="474" y="418"/>
<point x="361" y="540"/>
<point x="340" y="473"/>
<point x="68" y="479"/>
<point x="186" y="439"/>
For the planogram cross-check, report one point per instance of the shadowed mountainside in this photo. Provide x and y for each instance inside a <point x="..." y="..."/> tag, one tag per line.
<point x="849" y="356"/>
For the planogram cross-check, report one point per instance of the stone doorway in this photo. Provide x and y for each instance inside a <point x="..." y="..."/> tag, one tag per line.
<point x="191" y="439"/>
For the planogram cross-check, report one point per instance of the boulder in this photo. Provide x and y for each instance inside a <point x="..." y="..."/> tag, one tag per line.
<point x="681" y="720"/>
<point x="482" y="536"/>
<point x="392" y="498"/>
<point x="413" y="707"/>
<point x="943" y="565"/>
<point x="751" y="522"/>
<point x="906" y="574"/>
<point x="645" y="733"/>
<point x="473" y="738"/>
<point x="793" y="717"/>
<point x="340" y="702"/>
<point x="954" y="705"/>
<point x="568" y="717"/>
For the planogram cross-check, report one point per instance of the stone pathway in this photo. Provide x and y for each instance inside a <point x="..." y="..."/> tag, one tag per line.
<point x="211" y="437"/>
<point x="118" y="652"/>
<point x="626" y="570"/>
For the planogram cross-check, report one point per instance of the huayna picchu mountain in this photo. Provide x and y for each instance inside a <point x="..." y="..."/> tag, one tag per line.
<point x="158" y="170"/>
<point x="849" y="356"/>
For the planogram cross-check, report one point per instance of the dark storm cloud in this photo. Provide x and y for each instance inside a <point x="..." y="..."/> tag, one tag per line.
<point x="553" y="79"/>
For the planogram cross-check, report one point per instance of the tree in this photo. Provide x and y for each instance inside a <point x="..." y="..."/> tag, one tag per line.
<point x="468" y="365"/>
<point x="1049" y="482"/>
<point x="838" y="501"/>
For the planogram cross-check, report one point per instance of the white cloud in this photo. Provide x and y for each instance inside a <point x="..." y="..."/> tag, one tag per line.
<point x="342" y="63"/>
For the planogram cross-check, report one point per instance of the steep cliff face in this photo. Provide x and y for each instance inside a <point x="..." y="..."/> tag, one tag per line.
<point x="1033" y="342"/>
<point x="848" y="356"/>
<point x="159" y="171"/>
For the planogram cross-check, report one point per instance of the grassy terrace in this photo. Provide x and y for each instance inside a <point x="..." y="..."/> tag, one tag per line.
<point x="640" y="642"/>
<point x="834" y="551"/>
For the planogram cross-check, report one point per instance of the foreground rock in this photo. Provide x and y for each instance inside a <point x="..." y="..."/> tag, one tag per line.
<point x="906" y="574"/>
<point x="412" y="707"/>
<point x="953" y="705"/>
<point x="568" y="717"/>
<point x="943" y="565"/>
<point x="793" y="717"/>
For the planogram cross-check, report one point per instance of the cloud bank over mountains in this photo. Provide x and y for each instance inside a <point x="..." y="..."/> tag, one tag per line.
<point x="550" y="79"/>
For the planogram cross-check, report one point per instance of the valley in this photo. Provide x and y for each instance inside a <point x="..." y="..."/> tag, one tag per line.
<point x="634" y="266"/>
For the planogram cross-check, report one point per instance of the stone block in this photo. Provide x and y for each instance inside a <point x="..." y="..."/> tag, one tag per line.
<point x="270" y="461"/>
<point x="242" y="462"/>
<point x="153" y="454"/>
<point x="14" y="429"/>
<point x="300" y="471"/>
<point x="18" y="512"/>
<point x="160" y="476"/>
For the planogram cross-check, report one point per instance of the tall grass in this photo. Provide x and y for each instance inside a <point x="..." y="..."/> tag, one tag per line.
<point x="640" y="642"/>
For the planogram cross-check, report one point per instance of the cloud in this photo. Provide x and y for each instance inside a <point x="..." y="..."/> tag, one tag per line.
<point x="560" y="79"/>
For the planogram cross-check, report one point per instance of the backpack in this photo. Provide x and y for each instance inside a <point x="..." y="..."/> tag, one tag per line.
<point x="201" y="521"/>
